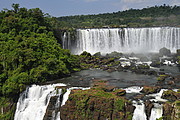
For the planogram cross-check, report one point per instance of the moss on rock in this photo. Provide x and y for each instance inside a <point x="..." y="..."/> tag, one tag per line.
<point x="150" y="89"/>
<point x="97" y="104"/>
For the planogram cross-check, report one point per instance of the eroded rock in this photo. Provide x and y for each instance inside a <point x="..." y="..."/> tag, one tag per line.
<point x="150" y="89"/>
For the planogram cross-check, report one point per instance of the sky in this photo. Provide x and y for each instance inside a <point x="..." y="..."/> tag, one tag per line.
<point x="58" y="8"/>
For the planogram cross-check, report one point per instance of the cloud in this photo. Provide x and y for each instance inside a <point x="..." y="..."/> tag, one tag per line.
<point x="175" y="2"/>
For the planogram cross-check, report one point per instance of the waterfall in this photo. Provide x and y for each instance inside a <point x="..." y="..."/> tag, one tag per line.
<point x="33" y="102"/>
<point x="137" y="40"/>
<point x="156" y="112"/>
<point x="139" y="112"/>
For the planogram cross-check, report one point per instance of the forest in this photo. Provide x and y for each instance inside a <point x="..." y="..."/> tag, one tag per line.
<point x="29" y="51"/>
<point x="163" y="15"/>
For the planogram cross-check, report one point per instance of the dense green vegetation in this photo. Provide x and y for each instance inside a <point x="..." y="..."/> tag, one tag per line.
<point x="153" y="16"/>
<point x="29" y="52"/>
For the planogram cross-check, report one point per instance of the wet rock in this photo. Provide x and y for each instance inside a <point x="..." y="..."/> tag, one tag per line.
<point x="139" y="97"/>
<point x="148" y="105"/>
<point x="164" y="51"/>
<point x="151" y="72"/>
<point x="107" y="61"/>
<point x="143" y="66"/>
<point x="150" y="89"/>
<point x="114" y="54"/>
<point x="155" y="64"/>
<point x="144" y="59"/>
<point x="98" y="54"/>
<point x="111" y="70"/>
<point x="171" y="82"/>
<point x="155" y="57"/>
<point x="51" y="108"/>
<point x="119" y="92"/>
<point x="171" y="95"/>
<point x="126" y="67"/>
<point x="161" y="69"/>
<point x="86" y="54"/>
<point x="176" y="79"/>
<point x="178" y="52"/>
<point x="162" y="77"/>
<point x="61" y="87"/>
<point x="171" y="110"/>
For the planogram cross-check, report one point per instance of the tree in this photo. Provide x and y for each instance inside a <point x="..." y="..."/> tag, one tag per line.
<point x="16" y="7"/>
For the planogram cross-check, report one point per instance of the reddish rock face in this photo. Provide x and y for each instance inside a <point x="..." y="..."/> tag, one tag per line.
<point x="171" y="111"/>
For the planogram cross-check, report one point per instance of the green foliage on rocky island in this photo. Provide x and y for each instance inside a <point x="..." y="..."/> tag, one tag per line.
<point x="163" y="15"/>
<point x="97" y="104"/>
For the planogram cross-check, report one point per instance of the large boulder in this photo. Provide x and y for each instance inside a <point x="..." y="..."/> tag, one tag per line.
<point x="114" y="54"/>
<point x="98" y="54"/>
<point x="155" y="63"/>
<point x="164" y="51"/>
<point x="171" y="95"/>
<point x="150" y="89"/>
<point x="86" y="54"/>
<point x="178" y="52"/>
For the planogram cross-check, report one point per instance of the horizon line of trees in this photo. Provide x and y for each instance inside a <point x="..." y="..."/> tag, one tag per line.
<point x="163" y="15"/>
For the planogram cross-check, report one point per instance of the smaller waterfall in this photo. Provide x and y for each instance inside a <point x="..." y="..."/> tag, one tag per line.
<point x="158" y="96"/>
<point x="139" y="112"/>
<point x="56" y="113"/>
<point x="65" y="97"/>
<point x="156" y="112"/>
<point x="33" y="102"/>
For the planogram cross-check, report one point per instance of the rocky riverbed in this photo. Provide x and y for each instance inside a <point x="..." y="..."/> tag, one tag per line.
<point x="115" y="86"/>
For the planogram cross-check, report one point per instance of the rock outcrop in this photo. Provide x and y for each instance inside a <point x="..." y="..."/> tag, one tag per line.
<point x="171" y="111"/>
<point x="164" y="51"/>
<point x="97" y="104"/>
<point x="150" y="89"/>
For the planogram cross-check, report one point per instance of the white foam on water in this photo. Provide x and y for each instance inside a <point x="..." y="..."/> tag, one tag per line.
<point x="133" y="89"/>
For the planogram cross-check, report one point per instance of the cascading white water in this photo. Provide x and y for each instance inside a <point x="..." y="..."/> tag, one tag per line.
<point x="139" y="112"/>
<point x="125" y="40"/>
<point x="33" y="102"/>
<point x="156" y="112"/>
